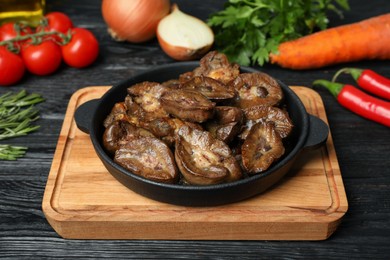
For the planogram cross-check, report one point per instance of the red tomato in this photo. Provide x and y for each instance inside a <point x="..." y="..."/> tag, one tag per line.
<point x="56" y="22"/>
<point x="82" y="50"/>
<point x="11" y="67"/>
<point x="42" y="59"/>
<point x="8" y="32"/>
<point x="59" y="22"/>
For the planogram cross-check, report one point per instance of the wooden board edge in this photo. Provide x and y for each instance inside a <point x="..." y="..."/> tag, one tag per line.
<point x="199" y="230"/>
<point x="340" y="204"/>
<point x="51" y="214"/>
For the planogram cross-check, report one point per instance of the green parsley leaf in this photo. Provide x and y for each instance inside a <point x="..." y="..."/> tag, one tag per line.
<point x="247" y="31"/>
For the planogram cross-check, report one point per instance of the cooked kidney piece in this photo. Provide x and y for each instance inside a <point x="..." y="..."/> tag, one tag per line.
<point x="214" y="65"/>
<point x="261" y="148"/>
<point x="255" y="89"/>
<point x="210" y="88"/>
<point x="118" y="113"/>
<point x="283" y="123"/>
<point x="147" y="96"/>
<point x="188" y="105"/>
<point x="118" y="133"/>
<point x="227" y="123"/>
<point x="166" y="128"/>
<point x="208" y="126"/>
<point x="148" y="157"/>
<point x="204" y="160"/>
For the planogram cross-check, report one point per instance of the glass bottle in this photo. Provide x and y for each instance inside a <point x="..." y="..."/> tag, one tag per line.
<point x="30" y="11"/>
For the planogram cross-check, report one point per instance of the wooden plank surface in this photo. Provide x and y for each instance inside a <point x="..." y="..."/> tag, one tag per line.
<point x="362" y="148"/>
<point x="83" y="201"/>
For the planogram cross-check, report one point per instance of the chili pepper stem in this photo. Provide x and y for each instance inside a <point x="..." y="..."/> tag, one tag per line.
<point x="333" y="87"/>
<point x="354" y="72"/>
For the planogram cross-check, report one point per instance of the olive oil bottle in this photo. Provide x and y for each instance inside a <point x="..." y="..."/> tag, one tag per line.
<point x="30" y="11"/>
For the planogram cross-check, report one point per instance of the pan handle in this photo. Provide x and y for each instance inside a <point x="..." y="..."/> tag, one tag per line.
<point x="84" y="113"/>
<point x="318" y="133"/>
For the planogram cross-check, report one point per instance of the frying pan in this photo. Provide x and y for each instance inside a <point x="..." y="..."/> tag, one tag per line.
<point x="309" y="132"/>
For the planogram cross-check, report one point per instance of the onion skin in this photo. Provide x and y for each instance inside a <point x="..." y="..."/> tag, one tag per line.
<point x="178" y="50"/>
<point x="182" y="53"/>
<point x="135" y="20"/>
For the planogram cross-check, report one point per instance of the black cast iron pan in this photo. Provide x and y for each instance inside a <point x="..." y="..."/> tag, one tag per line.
<point x="309" y="132"/>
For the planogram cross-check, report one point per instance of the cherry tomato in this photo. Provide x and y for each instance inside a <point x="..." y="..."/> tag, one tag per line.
<point x="56" y="22"/>
<point x="59" y="22"/>
<point x="42" y="59"/>
<point x="82" y="50"/>
<point x="7" y="31"/>
<point x="11" y="67"/>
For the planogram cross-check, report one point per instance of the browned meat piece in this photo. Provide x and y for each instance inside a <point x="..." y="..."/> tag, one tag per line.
<point x="166" y="128"/>
<point x="226" y="132"/>
<point x="255" y="89"/>
<point x="283" y="123"/>
<point x="133" y="109"/>
<point x="147" y="96"/>
<point x="226" y="124"/>
<point x="228" y="114"/>
<point x="173" y="83"/>
<point x="161" y="127"/>
<point x="148" y="157"/>
<point x="210" y="88"/>
<point x="186" y="76"/>
<point x="119" y="132"/>
<point x="214" y="65"/>
<point x="261" y="148"/>
<point x="118" y="113"/>
<point x="187" y="105"/>
<point x="204" y="160"/>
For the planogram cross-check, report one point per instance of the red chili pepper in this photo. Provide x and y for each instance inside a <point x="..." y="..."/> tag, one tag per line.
<point x="359" y="102"/>
<point x="368" y="80"/>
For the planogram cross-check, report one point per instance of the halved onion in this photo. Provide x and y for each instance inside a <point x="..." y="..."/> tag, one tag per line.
<point x="184" y="37"/>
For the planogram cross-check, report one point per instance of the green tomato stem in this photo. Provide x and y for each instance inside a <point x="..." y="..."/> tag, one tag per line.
<point x="36" y="38"/>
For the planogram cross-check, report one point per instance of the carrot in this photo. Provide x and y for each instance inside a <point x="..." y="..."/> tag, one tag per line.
<point x="364" y="40"/>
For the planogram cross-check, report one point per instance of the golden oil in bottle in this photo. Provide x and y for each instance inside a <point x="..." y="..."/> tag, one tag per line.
<point x="30" y="11"/>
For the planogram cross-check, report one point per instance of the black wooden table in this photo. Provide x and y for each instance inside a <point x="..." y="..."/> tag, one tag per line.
<point x="362" y="146"/>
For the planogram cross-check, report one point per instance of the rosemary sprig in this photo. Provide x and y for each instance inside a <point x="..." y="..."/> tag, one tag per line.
<point x="20" y="99"/>
<point x="17" y="114"/>
<point x="10" y="153"/>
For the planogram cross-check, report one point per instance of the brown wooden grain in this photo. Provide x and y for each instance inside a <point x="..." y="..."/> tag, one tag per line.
<point x="83" y="201"/>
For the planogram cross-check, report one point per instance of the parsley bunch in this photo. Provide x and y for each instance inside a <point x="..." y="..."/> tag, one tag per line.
<point x="247" y="31"/>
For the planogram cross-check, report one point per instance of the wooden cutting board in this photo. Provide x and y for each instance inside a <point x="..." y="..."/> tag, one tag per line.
<point x="83" y="201"/>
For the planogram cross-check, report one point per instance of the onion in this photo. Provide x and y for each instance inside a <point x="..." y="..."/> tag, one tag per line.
<point x="184" y="37"/>
<point x="134" y="20"/>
